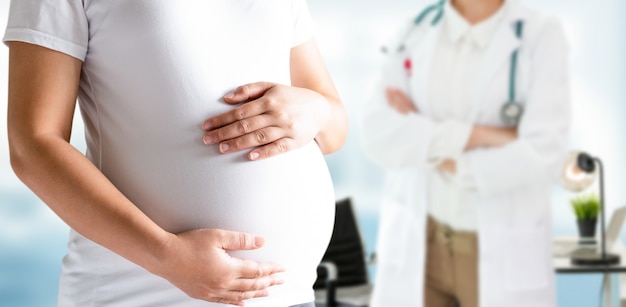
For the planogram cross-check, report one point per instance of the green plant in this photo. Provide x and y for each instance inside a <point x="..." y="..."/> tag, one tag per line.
<point x="586" y="207"/>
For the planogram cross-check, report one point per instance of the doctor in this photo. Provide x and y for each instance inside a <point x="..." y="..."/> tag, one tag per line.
<point x="470" y="119"/>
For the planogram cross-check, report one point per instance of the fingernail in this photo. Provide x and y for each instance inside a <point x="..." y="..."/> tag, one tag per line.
<point x="208" y="140"/>
<point x="254" y="155"/>
<point x="259" y="241"/>
<point x="278" y="270"/>
<point x="206" y="126"/>
<point x="229" y="95"/>
<point x="224" y="147"/>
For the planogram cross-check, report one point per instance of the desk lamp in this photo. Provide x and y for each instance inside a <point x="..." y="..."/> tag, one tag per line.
<point x="580" y="172"/>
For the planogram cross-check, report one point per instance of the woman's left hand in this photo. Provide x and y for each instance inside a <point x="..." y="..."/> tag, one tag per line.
<point x="278" y="118"/>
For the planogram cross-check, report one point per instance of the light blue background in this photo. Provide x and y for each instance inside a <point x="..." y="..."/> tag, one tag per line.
<point x="350" y="34"/>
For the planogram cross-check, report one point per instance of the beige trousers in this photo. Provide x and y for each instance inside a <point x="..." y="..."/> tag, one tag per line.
<point x="451" y="267"/>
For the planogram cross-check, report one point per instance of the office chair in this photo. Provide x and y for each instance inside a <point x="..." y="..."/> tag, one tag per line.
<point x="342" y="279"/>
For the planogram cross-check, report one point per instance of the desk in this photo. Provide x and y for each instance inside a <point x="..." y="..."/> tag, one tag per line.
<point x="563" y="265"/>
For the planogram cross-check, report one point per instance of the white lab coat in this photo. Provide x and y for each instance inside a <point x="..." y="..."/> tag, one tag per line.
<point x="513" y="182"/>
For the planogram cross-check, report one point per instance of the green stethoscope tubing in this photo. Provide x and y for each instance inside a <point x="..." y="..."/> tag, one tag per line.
<point x="512" y="72"/>
<point x="437" y="6"/>
<point x="512" y="110"/>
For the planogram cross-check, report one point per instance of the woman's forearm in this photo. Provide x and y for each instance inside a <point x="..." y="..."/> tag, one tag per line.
<point x="43" y="85"/>
<point x="85" y="199"/>
<point x="332" y="136"/>
<point x="308" y="70"/>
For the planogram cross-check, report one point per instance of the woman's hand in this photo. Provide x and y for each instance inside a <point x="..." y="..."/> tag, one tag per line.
<point x="278" y="118"/>
<point x="197" y="262"/>
<point x="399" y="101"/>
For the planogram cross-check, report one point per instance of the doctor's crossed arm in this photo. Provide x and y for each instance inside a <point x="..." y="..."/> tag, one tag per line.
<point x="540" y="145"/>
<point x="398" y="134"/>
<point x="481" y="136"/>
<point x="278" y="118"/>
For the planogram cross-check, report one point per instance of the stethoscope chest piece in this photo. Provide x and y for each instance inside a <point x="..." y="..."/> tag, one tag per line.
<point x="511" y="112"/>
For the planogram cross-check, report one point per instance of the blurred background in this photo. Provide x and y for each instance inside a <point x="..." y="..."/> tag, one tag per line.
<point x="350" y="34"/>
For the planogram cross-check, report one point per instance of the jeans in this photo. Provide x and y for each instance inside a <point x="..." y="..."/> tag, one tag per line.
<point x="311" y="304"/>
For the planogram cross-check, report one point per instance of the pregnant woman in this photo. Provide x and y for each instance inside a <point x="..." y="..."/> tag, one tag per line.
<point x="204" y="182"/>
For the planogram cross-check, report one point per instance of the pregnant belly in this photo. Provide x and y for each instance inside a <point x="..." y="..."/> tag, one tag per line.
<point x="288" y="199"/>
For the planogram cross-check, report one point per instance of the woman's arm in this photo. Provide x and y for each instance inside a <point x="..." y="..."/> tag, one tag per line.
<point x="280" y="118"/>
<point x="309" y="71"/>
<point x="43" y="86"/>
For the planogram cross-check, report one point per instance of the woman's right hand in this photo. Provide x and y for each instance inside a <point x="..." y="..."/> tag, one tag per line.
<point x="197" y="262"/>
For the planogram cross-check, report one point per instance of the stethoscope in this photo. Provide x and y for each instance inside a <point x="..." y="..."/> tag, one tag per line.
<point x="511" y="110"/>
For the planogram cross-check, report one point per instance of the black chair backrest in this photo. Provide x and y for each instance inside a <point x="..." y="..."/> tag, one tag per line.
<point x="345" y="249"/>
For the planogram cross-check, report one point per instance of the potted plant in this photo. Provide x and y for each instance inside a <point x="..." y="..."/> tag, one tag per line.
<point x="586" y="207"/>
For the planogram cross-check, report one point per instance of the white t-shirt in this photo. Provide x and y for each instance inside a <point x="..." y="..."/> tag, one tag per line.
<point x="153" y="71"/>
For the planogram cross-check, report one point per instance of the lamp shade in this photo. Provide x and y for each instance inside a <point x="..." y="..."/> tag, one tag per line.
<point x="579" y="171"/>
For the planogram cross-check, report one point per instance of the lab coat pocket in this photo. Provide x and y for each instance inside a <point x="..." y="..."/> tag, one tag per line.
<point x="526" y="263"/>
<point x="394" y="233"/>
